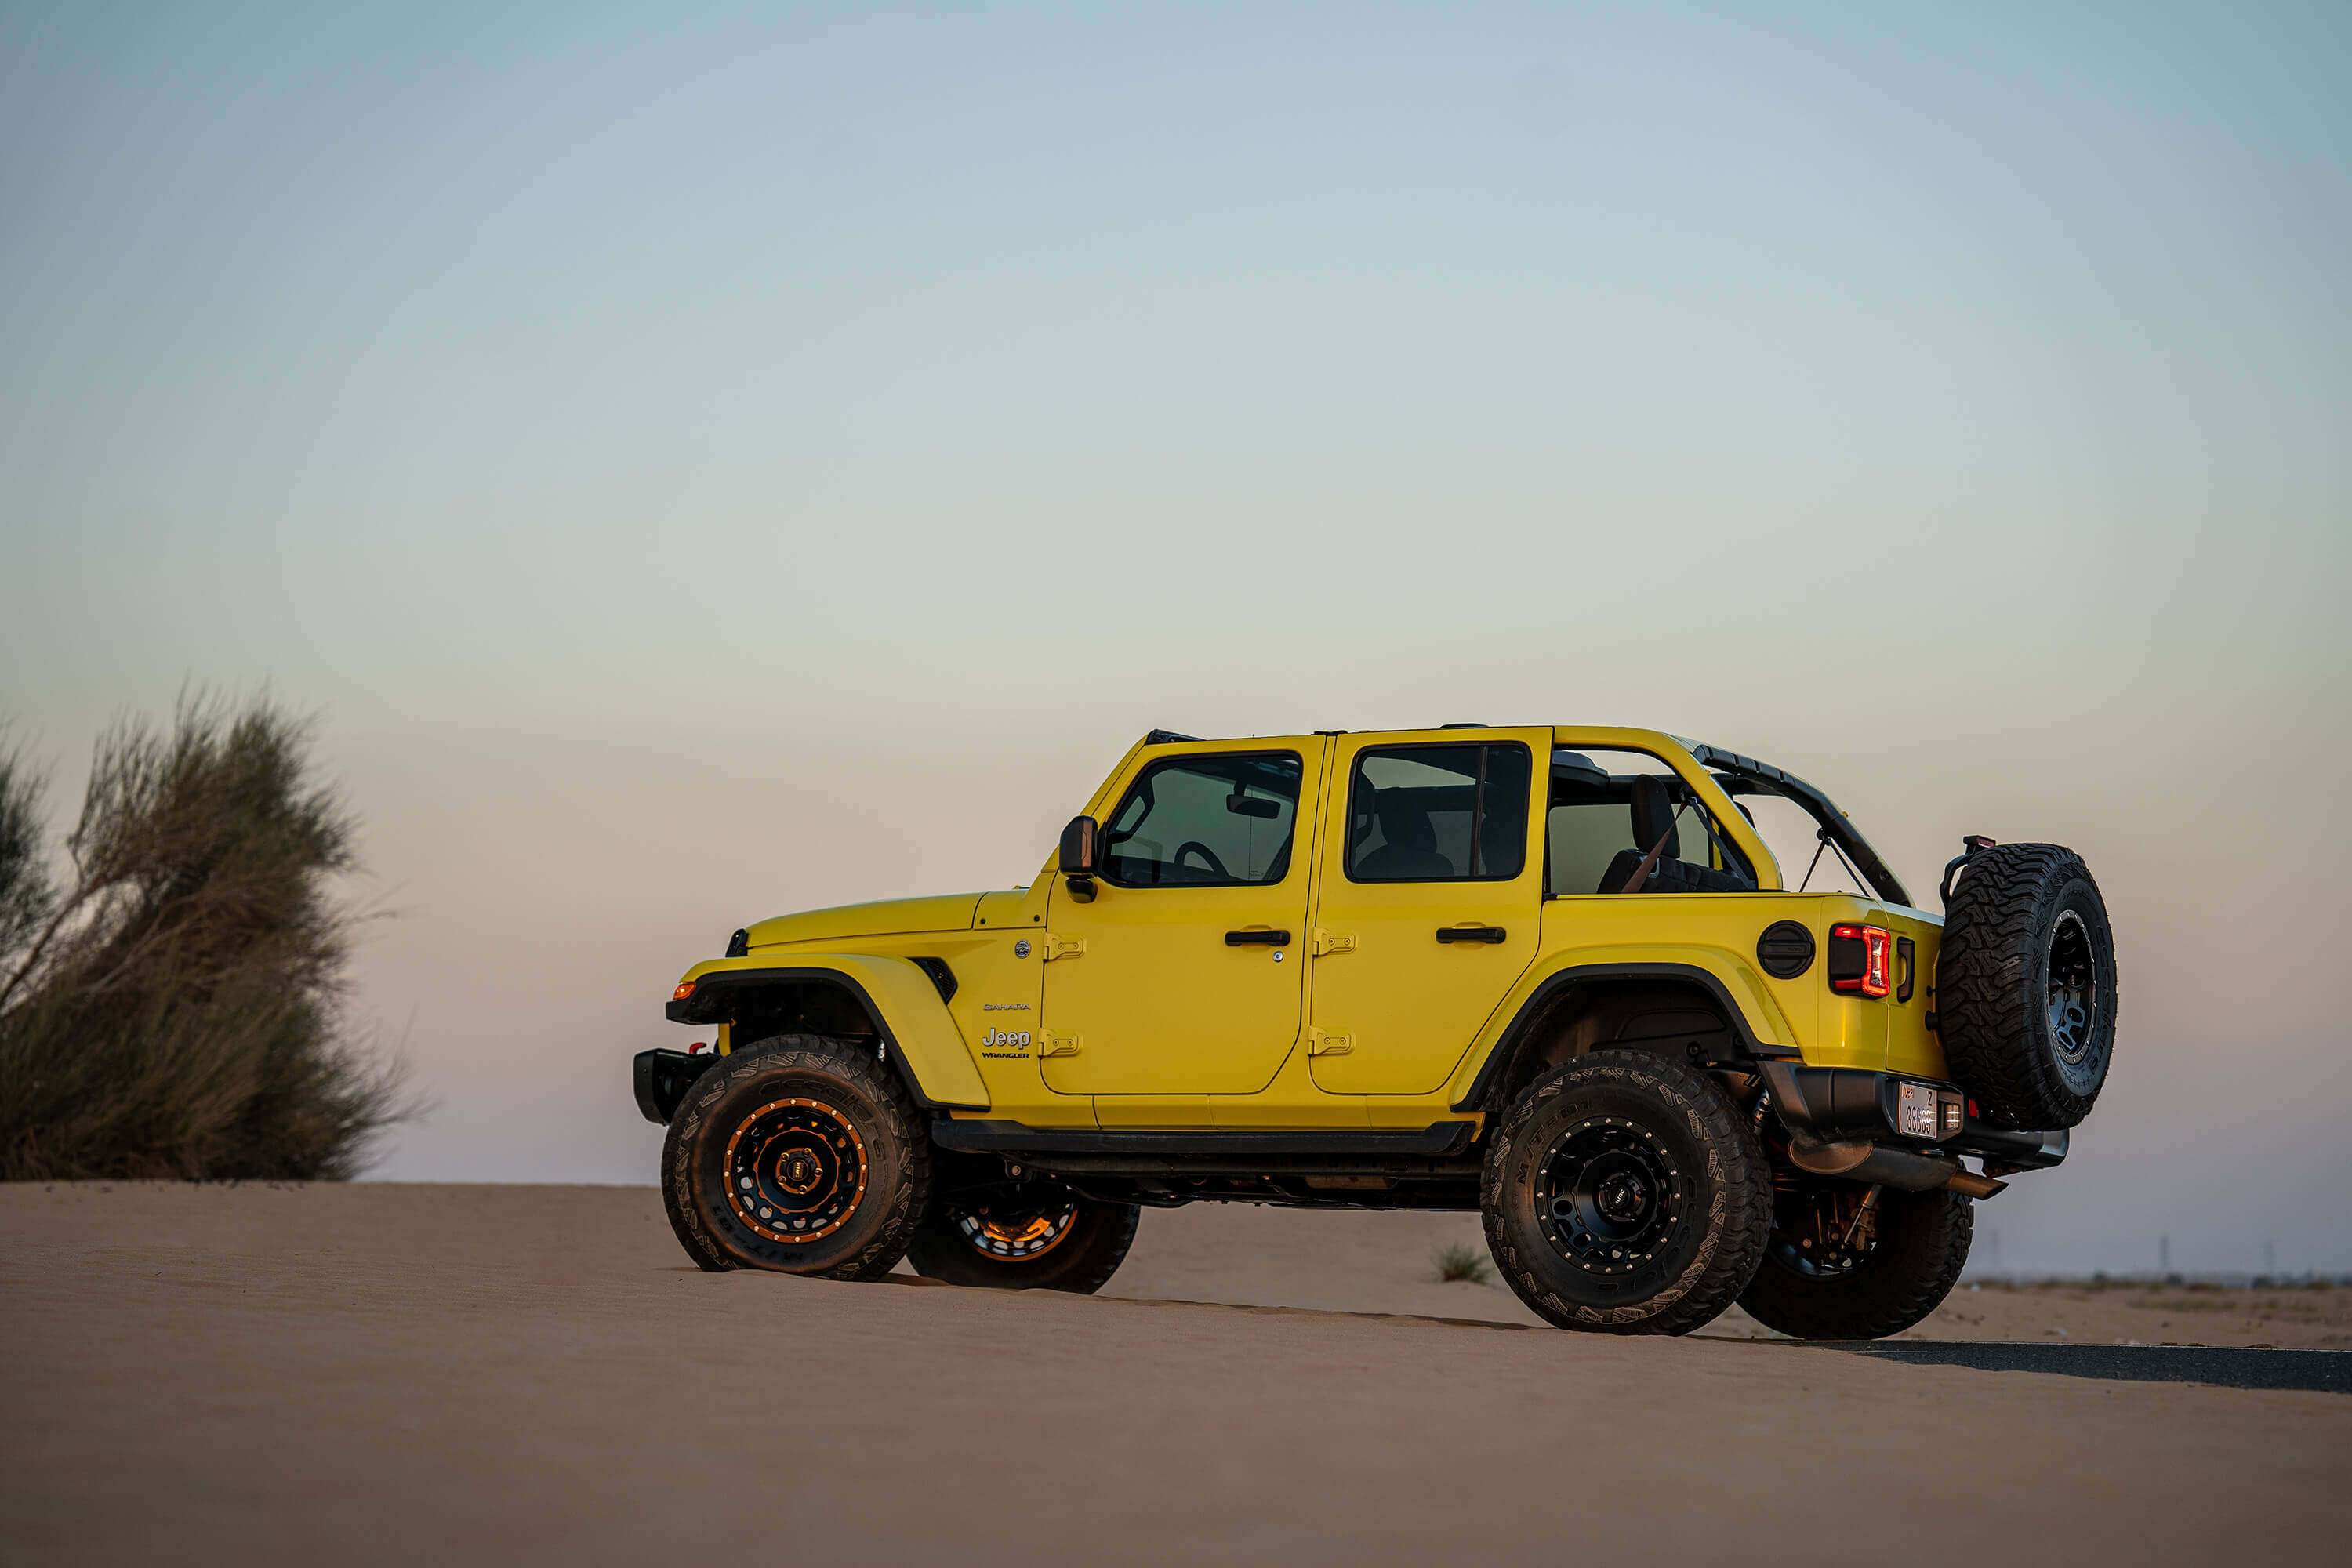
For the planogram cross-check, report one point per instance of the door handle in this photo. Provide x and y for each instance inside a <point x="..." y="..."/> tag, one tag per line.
<point x="1257" y="938"/>
<point x="1467" y="933"/>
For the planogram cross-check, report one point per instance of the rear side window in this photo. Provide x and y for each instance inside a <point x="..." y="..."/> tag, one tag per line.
<point x="1591" y="823"/>
<point x="1205" y="821"/>
<point x="1438" y="813"/>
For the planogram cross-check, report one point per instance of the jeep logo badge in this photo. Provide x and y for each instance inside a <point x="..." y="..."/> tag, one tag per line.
<point x="1005" y="1043"/>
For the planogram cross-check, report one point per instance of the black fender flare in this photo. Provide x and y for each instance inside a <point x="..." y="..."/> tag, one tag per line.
<point x="709" y="1004"/>
<point x="1513" y="1037"/>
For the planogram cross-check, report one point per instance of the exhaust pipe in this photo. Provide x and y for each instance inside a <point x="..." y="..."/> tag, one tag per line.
<point x="1977" y="1186"/>
<point x="1863" y="1160"/>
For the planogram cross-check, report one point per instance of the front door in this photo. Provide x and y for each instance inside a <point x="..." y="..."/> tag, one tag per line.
<point x="1190" y="978"/>
<point x="1429" y="905"/>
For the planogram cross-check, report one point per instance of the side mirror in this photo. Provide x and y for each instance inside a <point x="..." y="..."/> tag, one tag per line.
<point x="1079" y="847"/>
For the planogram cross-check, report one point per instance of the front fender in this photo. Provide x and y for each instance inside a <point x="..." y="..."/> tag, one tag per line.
<point x="902" y="1001"/>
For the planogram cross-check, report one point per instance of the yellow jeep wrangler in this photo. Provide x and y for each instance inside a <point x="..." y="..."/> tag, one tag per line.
<point x="1552" y="974"/>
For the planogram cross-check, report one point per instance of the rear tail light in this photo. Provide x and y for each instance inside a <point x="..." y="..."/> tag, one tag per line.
<point x="1859" y="960"/>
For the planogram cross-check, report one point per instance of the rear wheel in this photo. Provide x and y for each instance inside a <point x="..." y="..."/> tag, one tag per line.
<point x="1027" y="1235"/>
<point x="801" y="1154"/>
<point x="1852" y="1263"/>
<point x="1624" y="1194"/>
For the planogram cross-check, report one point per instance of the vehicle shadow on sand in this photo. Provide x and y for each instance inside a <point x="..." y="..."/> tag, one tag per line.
<point x="2315" y="1371"/>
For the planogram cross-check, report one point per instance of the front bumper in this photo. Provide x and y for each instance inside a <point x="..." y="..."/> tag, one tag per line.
<point x="662" y="1079"/>
<point x="1845" y="1104"/>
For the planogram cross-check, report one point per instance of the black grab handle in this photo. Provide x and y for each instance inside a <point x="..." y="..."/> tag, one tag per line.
<point x="1472" y="933"/>
<point x="1257" y="938"/>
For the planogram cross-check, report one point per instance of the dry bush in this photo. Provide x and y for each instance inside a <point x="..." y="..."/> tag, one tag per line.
<point x="175" y="1009"/>
<point x="1460" y="1260"/>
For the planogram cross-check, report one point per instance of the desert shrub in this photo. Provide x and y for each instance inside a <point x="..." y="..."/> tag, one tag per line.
<point x="173" y="1006"/>
<point x="1460" y="1260"/>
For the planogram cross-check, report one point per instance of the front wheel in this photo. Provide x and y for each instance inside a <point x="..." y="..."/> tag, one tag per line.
<point x="801" y="1154"/>
<point x="1624" y="1194"/>
<point x="1032" y="1236"/>
<point x="1853" y="1262"/>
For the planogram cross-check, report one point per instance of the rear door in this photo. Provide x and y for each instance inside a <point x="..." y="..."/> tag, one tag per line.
<point x="1429" y="899"/>
<point x="1189" y="979"/>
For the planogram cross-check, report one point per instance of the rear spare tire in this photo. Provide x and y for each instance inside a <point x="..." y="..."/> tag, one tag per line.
<point x="2025" y="986"/>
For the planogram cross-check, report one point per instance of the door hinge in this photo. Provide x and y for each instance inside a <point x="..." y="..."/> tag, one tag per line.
<point x="1052" y="1045"/>
<point x="1319" y="1044"/>
<point x="1332" y="941"/>
<point x="1063" y="946"/>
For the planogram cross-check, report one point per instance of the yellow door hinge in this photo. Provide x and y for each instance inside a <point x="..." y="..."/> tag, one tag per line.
<point x="1332" y="941"/>
<point x="1063" y="946"/>
<point x="1053" y="1045"/>
<point x="1319" y="1044"/>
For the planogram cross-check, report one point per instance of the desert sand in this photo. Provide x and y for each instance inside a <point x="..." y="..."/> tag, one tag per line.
<point x="379" y="1374"/>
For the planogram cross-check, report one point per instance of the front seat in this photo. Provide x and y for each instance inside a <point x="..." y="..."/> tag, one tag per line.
<point x="1408" y="852"/>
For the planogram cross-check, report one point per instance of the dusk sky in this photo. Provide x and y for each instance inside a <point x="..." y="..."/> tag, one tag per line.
<point x="704" y="463"/>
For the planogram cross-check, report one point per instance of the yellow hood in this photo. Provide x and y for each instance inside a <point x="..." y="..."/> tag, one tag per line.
<point x="889" y="917"/>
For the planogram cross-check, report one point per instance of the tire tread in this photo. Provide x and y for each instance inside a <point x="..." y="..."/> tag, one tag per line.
<point x="1740" y="1208"/>
<point x="906" y="1204"/>
<point x="1985" y="999"/>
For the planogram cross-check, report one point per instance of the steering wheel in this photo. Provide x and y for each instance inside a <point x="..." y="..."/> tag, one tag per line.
<point x="1215" y="865"/>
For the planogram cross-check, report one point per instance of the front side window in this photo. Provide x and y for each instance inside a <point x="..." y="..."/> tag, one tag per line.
<point x="1205" y="821"/>
<point x="1438" y="813"/>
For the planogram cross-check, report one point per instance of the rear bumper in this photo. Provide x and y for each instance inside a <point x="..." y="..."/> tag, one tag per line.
<point x="1853" y="1103"/>
<point x="661" y="1080"/>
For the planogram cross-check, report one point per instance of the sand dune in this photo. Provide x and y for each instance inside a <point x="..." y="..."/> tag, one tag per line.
<point x="382" y="1374"/>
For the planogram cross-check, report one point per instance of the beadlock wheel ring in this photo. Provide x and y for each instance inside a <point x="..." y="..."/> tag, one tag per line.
<point x="1608" y="1196"/>
<point x="794" y="1170"/>
<point x="1018" y="1237"/>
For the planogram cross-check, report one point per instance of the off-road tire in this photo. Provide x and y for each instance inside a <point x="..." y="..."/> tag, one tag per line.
<point x="861" y="1146"/>
<point x="2006" y="932"/>
<point x="1923" y="1245"/>
<point x="1080" y="1261"/>
<point x="1669" y="1124"/>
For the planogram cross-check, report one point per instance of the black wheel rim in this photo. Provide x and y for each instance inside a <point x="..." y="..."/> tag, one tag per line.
<point x="1017" y="1234"/>
<point x="1608" y="1196"/>
<point x="795" y="1170"/>
<point x="2073" y="989"/>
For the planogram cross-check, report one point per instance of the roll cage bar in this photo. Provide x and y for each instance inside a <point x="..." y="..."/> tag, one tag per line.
<point x="1749" y="776"/>
<point x="1836" y="827"/>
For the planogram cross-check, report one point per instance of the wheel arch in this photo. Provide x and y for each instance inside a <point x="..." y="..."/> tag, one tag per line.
<point x="1570" y="1006"/>
<point x="891" y="1000"/>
